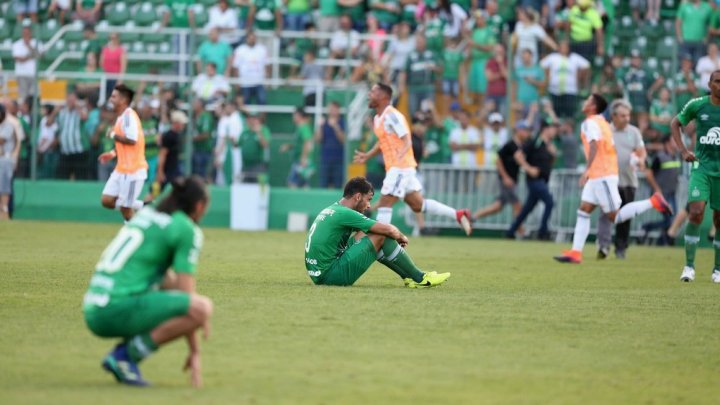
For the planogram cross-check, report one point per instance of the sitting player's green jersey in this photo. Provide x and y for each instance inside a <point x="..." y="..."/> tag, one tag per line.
<point x="137" y="259"/>
<point x="328" y="236"/>
<point x="707" y="121"/>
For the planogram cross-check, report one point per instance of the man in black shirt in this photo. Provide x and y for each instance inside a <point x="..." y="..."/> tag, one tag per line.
<point x="170" y="145"/>
<point x="536" y="159"/>
<point x="508" y="170"/>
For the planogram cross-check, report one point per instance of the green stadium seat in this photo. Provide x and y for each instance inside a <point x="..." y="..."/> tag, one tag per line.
<point x="639" y="44"/>
<point x="626" y="27"/>
<point x="137" y="47"/>
<point x="118" y="14"/>
<point x="55" y="51"/>
<point x="145" y="15"/>
<point x="76" y="34"/>
<point x="17" y="32"/>
<point x="165" y="47"/>
<point x="6" y="29"/>
<point x="666" y="48"/>
<point x="8" y="11"/>
<point x="201" y="15"/>
<point x="155" y="37"/>
<point x="48" y="29"/>
<point x="130" y="35"/>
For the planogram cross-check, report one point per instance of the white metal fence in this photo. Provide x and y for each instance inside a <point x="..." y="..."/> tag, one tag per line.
<point x="477" y="187"/>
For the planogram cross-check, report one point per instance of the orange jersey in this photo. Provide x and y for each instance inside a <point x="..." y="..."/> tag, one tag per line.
<point x="130" y="158"/>
<point x="596" y="128"/>
<point x="390" y="127"/>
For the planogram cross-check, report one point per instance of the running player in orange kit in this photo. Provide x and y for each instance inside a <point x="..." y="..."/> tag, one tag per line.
<point x="395" y="142"/>
<point x="600" y="180"/>
<point x="126" y="181"/>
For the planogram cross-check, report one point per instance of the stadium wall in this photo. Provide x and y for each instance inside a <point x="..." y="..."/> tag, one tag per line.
<point x="80" y="201"/>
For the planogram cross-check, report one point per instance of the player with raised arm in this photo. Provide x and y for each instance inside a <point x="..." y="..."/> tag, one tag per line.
<point x="600" y="180"/>
<point x="336" y="256"/>
<point x="704" y="183"/>
<point x="143" y="289"/>
<point x="126" y="182"/>
<point x="401" y="183"/>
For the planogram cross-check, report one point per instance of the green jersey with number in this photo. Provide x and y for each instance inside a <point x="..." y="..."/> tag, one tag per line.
<point x="329" y="234"/>
<point x="707" y="121"/>
<point x="137" y="259"/>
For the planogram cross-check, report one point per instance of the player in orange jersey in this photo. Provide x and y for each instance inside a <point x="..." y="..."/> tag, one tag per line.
<point x="401" y="183"/>
<point x="126" y="181"/>
<point x="600" y="180"/>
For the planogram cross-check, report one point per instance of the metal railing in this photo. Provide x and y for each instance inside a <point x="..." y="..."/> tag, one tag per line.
<point x="474" y="188"/>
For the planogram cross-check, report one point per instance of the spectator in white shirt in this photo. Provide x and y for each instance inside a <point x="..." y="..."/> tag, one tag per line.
<point x="494" y="136"/>
<point x="251" y="64"/>
<point x="708" y="64"/>
<point x="464" y="142"/>
<point x="225" y="20"/>
<point x="527" y="34"/>
<point x="229" y="129"/>
<point x="344" y="41"/>
<point x="26" y="52"/>
<point x="562" y="74"/>
<point x="210" y="86"/>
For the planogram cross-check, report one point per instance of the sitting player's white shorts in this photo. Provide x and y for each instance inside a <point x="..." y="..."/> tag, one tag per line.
<point x="399" y="182"/>
<point x="126" y="187"/>
<point x="603" y="191"/>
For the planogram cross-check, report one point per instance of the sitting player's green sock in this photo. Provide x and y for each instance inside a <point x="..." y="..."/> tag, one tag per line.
<point x="396" y="258"/>
<point x="692" y="238"/>
<point x="140" y="347"/>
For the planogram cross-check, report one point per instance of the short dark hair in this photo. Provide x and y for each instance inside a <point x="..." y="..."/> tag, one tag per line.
<point x="600" y="103"/>
<point x="385" y="89"/>
<point x="186" y="192"/>
<point x="358" y="185"/>
<point x="301" y="111"/>
<point x="713" y="73"/>
<point x="126" y="92"/>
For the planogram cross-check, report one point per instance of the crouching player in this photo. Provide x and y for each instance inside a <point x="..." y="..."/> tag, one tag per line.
<point x="334" y="256"/>
<point x="124" y="301"/>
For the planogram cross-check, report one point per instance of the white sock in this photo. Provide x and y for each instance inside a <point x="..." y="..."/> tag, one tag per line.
<point x="582" y="230"/>
<point x="137" y="204"/>
<point x="632" y="210"/>
<point x="438" y="208"/>
<point x="384" y="215"/>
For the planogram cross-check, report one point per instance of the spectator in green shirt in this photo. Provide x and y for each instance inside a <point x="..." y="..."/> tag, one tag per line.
<point x="215" y="51"/>
<point x="662" y="111"/>
<point x="203" y="140"/>
<point x="329" y="19"/>
<point x="266" y="15"/>
<point x="93" y="45"/>
<point x="387" y="12"/>
<point x="684" y="83"/>
<point x="418" y="79"/>
<point x="103" y="142"/>
<point x="179" y="14"/>
<point x="691" y="27"/>
<point x="88" y="11"/>
<point x="355" y="9"/>
<point x="303" y="166"/>
<point x="452" y="59"/>
<point x="254" y="143"/>
<point x="481" y="43"/>
<point x="298" y="14"/>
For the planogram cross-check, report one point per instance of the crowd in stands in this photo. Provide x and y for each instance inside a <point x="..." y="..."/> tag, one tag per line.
<point x="468" y="70"/>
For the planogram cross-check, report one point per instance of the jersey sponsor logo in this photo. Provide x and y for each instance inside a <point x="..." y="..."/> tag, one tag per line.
<point x="695" y="192"/>
<point x="315" y="273"/>
<point x="311" y="261"/>
<point x="98" y="300"/>
<point x="712" y="137"/>
<point x="704" y="117"/>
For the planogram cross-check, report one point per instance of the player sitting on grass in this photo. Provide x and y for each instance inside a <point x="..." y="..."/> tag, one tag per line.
<point x="334" y="256"/>
<point x="123" y="301"/>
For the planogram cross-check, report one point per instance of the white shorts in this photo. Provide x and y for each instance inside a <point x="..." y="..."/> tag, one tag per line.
<point x="126" y="187"/>
<point x="399" y="182"/>
<point x="603" y="192"/>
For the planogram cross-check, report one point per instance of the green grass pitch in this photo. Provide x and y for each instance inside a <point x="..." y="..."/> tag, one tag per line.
<point x="510" y="326"/>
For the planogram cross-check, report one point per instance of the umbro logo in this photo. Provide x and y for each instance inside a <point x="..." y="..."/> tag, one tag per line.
<point x="704" y="117"/>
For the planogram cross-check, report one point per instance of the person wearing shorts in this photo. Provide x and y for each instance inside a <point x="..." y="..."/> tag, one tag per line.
<point x="342" y="243"/>
<point x="9" y="152"/>
<point x="600" y="180"/>
<point x="401" y="182"/>
<point x="123" y="188"/>
<point x="123" y="300"/>
<point x="704" y="183"/>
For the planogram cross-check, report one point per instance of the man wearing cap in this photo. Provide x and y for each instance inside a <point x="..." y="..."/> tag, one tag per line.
<point x="536" y="159"/>
<point x="169" y="156"/>
<point x="508" y="170"/>
<point x="494" y="136"/>
<point x="26" y="52"/>
<point x="631" y="156"/>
